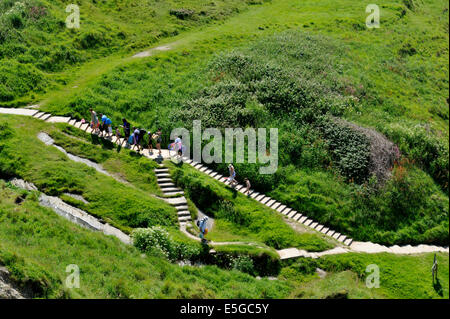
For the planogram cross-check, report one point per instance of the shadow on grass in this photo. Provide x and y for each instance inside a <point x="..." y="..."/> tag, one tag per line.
<point x="106" y="144"/>
<point x="438" y="287"/>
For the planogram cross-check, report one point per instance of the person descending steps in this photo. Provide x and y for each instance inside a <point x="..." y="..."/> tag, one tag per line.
<point x="94" y="122"/>
<point x="232" y="177"/>
<point x="248" y="186"/>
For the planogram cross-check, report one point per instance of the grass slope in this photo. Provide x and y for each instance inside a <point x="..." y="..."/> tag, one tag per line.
<point x="401" y="277"/>
<point x="37" y="245"/>
<point x="339" y="56"/>
<point x="39" y="54"/>
<point x="122" y="205"/>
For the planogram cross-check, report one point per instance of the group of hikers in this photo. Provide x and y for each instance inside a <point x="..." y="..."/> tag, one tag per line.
<point x="102" y="126"/>
<point x="134" y="137"/>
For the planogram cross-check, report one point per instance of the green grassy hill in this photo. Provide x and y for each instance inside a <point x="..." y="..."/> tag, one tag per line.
<point x="363" y="139"/>
<point x="299" y="67"/>
<point x="38" y="53"/>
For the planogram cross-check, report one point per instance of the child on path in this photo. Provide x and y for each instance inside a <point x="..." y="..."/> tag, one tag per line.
<point x="247" y="190"/>
<point x="117" y="133"/>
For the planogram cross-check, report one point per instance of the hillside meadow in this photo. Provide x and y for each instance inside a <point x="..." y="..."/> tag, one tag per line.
<point x="313" y="77"/>
<point x="362" y="116"/>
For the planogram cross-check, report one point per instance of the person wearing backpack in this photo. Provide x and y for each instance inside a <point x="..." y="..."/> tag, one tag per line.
<point x="202" y="224"/>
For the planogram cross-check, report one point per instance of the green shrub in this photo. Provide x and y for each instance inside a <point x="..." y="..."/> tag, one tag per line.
<point x="244" y="264"/>
<point x="351" y="150"/>
<point x="156" y="240"/>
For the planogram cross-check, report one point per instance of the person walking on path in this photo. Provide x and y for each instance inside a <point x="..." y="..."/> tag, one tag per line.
<point x="202" y="224"/>
<point x="247" y="190"/>
<point x="126" y="128"/>
<point x="232" y="177"/>
<point x="101" y="127"/>
<point x="141" y="144"/>
<point x="159" y="140"/>
<point x="94" y="121"/>
<point x="130" y="141"/>
<point x="135" y="137"/>
<point x="150" y="143"/>
<point x="106" y="123"/>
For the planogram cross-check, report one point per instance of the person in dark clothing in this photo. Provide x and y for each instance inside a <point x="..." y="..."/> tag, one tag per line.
<point x="159" y="140"/>
<point x="126" y="128"/>
<point x="141" y="139"/>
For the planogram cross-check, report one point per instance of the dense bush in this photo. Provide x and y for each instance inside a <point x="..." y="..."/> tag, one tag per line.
<point x="350" y="148"/>
<point x="422" y="146"/>
<point x="16" y="79"/>
<point x="251" y="260"/>
<point x="182" y="13"/>
<point x="157" y="240"/>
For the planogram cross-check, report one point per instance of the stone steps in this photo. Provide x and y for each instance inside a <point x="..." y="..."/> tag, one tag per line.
<point x="273" y="204"/>
<point x="183" y="213"/>
<point x="166" y="185"/>
<point x="180" y="203"/>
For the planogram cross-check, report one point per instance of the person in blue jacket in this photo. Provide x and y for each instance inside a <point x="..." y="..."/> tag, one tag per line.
<point x="203" y="230"/>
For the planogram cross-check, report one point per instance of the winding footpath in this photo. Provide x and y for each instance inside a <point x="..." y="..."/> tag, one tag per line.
<point x="169" y="189"/>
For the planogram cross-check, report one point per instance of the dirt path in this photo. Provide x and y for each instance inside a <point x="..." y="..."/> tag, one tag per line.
<point x="152" y="51"/>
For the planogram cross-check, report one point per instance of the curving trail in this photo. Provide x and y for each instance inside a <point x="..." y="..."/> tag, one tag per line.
<point x="184" y="216"/>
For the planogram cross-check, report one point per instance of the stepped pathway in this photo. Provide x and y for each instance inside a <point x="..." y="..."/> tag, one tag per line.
<point x="169" y="189"/>
<point x="273" y="204"/>
<point x="164" y="178"/>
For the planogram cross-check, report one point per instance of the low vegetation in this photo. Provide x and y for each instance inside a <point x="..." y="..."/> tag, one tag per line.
<point x="336" y="118"/>
<point x="36" y="245"/>
<point x="239" y="216"/>
<point x="120" y="204"/>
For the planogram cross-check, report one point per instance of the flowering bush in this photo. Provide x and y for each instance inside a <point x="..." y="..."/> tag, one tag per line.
<point x="243" y="263"/>
<point x="156" y="240"/>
